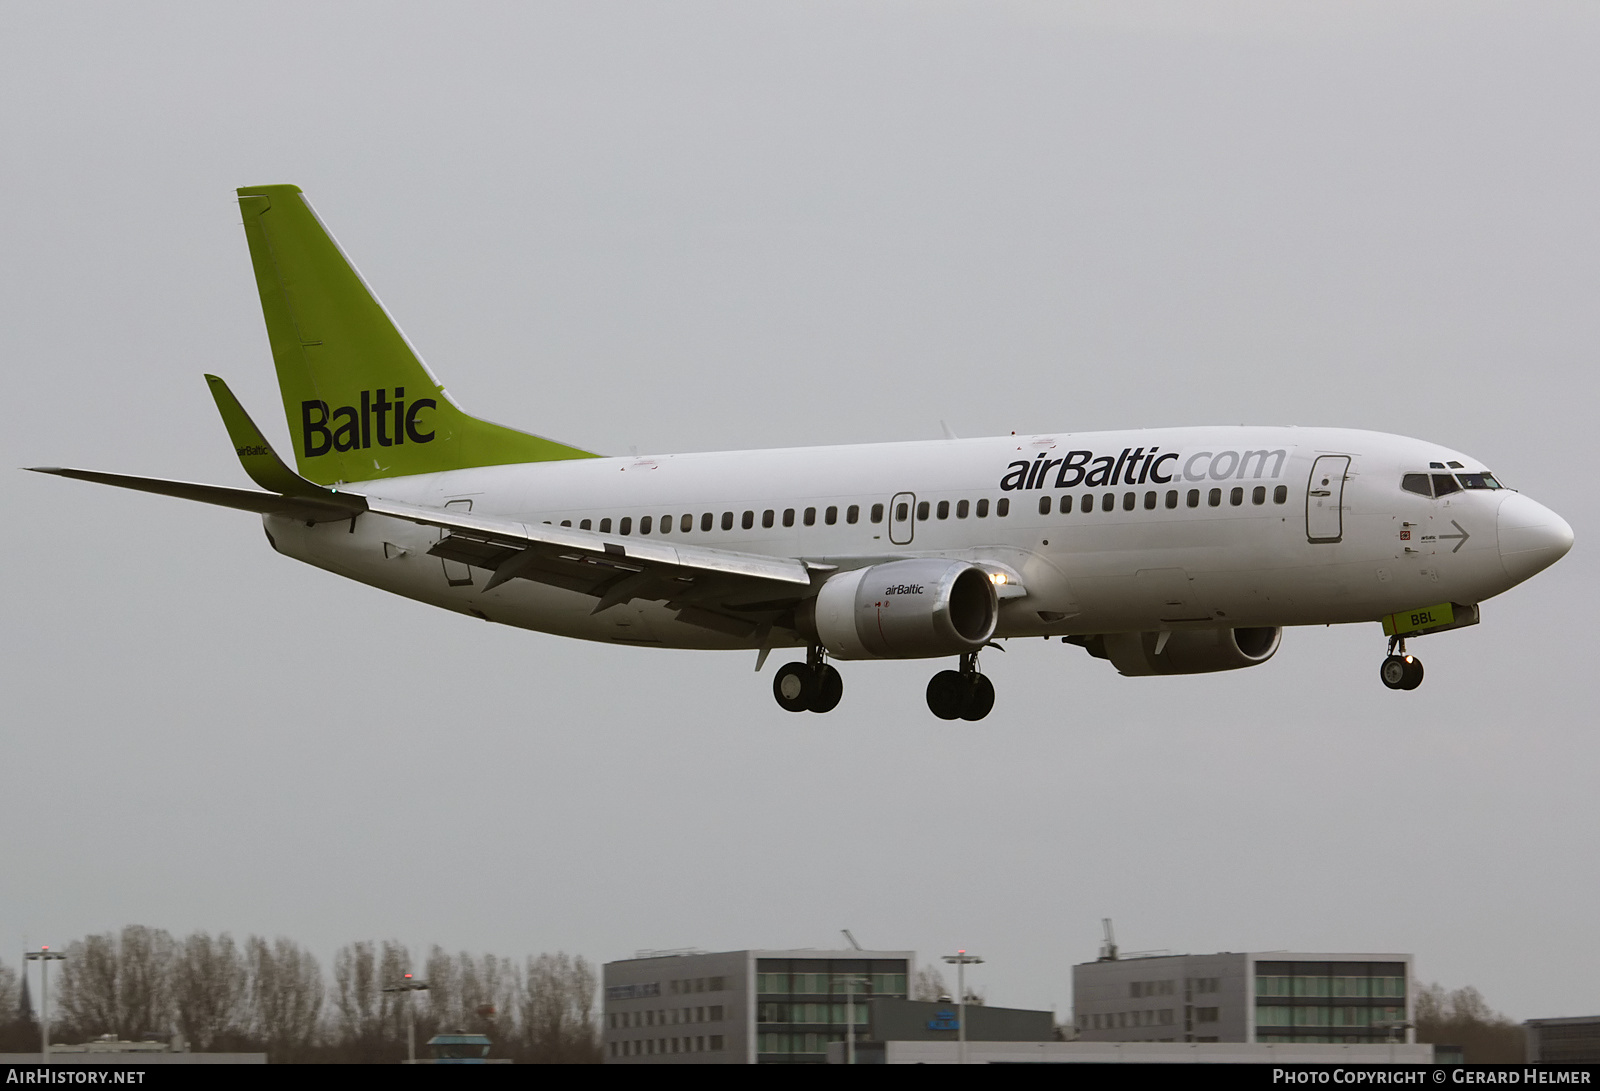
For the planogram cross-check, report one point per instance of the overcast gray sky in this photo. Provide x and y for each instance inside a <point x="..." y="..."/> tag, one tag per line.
<point x="704" y="226"/>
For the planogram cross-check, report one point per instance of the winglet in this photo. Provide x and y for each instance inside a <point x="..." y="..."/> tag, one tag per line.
<point x="256" y="455"/>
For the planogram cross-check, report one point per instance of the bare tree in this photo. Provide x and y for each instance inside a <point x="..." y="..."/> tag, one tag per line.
<point x="210" y="984"/>
<point x="285" y="996"/>
<point x="356" y="994"/>
<point x="1463" y="1018"/>
<point x="119" y="984"/>
<point x="371" y="1023"/>
<point x="558" y="1019"/>
<point x="8" y="992"/>
<point x="930" y="985"/>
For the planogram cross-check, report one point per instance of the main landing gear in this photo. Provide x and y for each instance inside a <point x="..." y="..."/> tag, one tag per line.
<point x="812" y="686"/>
<point x="1400" y="671"/>
<point x="963" y="694"/>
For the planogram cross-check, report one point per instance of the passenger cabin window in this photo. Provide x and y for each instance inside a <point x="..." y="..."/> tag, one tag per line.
<point x="566" y="522"/>
<point x="922" y="510"/>
<point x="605" y="526"/>
<point x="983" y="508"/>
<point x="1149" y="501"/>
<point x="1044" y="505"/>
<point x="963" y="509"/>
<point x="1002" y="507"/>
<point x="831" y="516"/>
<point x="1108" y="502"/>
<point x="1236" y="496"/>
<point x="788" y="517"/>
<point x="811" y="517"/>
<point x="626" y="526"/>
<point x="1258" y="495"/>
<point x="705" y="521"/>
<point x="1194" y="498"/>
<point x="768" y="517"/>
<point x="1172" y="498"/>
<point x="877" y="513"/>
<point x="686" y="524"/>
<point x="1128" y="500"/>
<point x="644" y="525"/>
<point x="584" y="524"/>
<point x="727" y="520"/>
<point x="1214" y="499"/>
<point x="1280" y="494"/>
<point x="748" y="520"/>
<point x="852" y="514"/>
<point x="1066" y="504"/>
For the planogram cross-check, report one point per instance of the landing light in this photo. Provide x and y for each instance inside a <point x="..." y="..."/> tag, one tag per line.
<point x="998" y="577"/>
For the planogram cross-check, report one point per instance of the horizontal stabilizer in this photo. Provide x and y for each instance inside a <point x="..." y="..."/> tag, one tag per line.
<point x="311" y="510"/>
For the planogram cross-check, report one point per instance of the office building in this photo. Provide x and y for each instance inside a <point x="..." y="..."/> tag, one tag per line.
<point x="1564" y="1041"/>
<point x="743" y="1007"/>
<point x="1276" y="996"/>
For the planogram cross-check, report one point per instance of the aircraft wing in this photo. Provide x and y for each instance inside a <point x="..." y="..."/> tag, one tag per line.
<point x="719" y="589"/>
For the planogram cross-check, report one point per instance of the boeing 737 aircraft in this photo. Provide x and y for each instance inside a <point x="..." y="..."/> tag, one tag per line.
<point x="1170" y="551"/>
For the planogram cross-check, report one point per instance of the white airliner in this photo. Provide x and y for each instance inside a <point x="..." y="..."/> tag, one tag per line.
<point x="1168" y="551"/>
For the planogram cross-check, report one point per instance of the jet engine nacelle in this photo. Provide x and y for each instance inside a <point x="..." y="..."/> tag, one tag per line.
<point x="1194" y="651"/>
<point x="914" y="609"/>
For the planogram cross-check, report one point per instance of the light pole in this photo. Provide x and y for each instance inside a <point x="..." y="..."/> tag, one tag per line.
<point x="45" y="956"/>
<point x="408" y="984"/>
<point x="961" y="958"/>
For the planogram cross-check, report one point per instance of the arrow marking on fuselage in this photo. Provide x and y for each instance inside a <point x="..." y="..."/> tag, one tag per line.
<point x="1463" y="536"/>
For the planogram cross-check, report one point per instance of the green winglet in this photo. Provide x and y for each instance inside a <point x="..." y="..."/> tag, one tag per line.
<point x="359" y="401"/>
<point x="256" y="455"/>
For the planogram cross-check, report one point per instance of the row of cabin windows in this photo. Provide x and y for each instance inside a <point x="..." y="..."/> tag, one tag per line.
<point x="769" y="518"/>
<point x="1130" y="500"/>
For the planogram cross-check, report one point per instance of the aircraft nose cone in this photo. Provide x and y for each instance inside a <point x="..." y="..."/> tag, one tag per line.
<point x="1532" y="537"/>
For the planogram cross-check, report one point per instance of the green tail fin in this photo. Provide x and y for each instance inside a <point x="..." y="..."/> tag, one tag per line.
<point x="360" y="403"/>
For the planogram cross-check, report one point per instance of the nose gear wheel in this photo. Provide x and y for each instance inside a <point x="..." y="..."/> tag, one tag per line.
<point x="1400" y="670"/>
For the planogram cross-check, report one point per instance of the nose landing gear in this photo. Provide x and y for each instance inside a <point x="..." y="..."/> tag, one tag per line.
<point x="963" y="694"/>
<point x="812" y="686"/>
<point x="1400" y="671"/>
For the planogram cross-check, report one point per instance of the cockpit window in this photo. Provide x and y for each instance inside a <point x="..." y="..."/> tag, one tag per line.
<point x="1417" y="483"/>
<point x="1478" y="481"/>
<point x="1444" y="485"/>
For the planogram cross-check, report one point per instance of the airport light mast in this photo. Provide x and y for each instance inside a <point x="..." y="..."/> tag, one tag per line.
<point x="960" y="959"/>
<point x="408" y="984"/>
<point x="45" y="956"/>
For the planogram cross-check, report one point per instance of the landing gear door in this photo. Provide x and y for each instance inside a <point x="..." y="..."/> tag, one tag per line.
<point x="1325" y="498"/>
<point x="456" y="574"/>
<point x="902" y="518"/>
